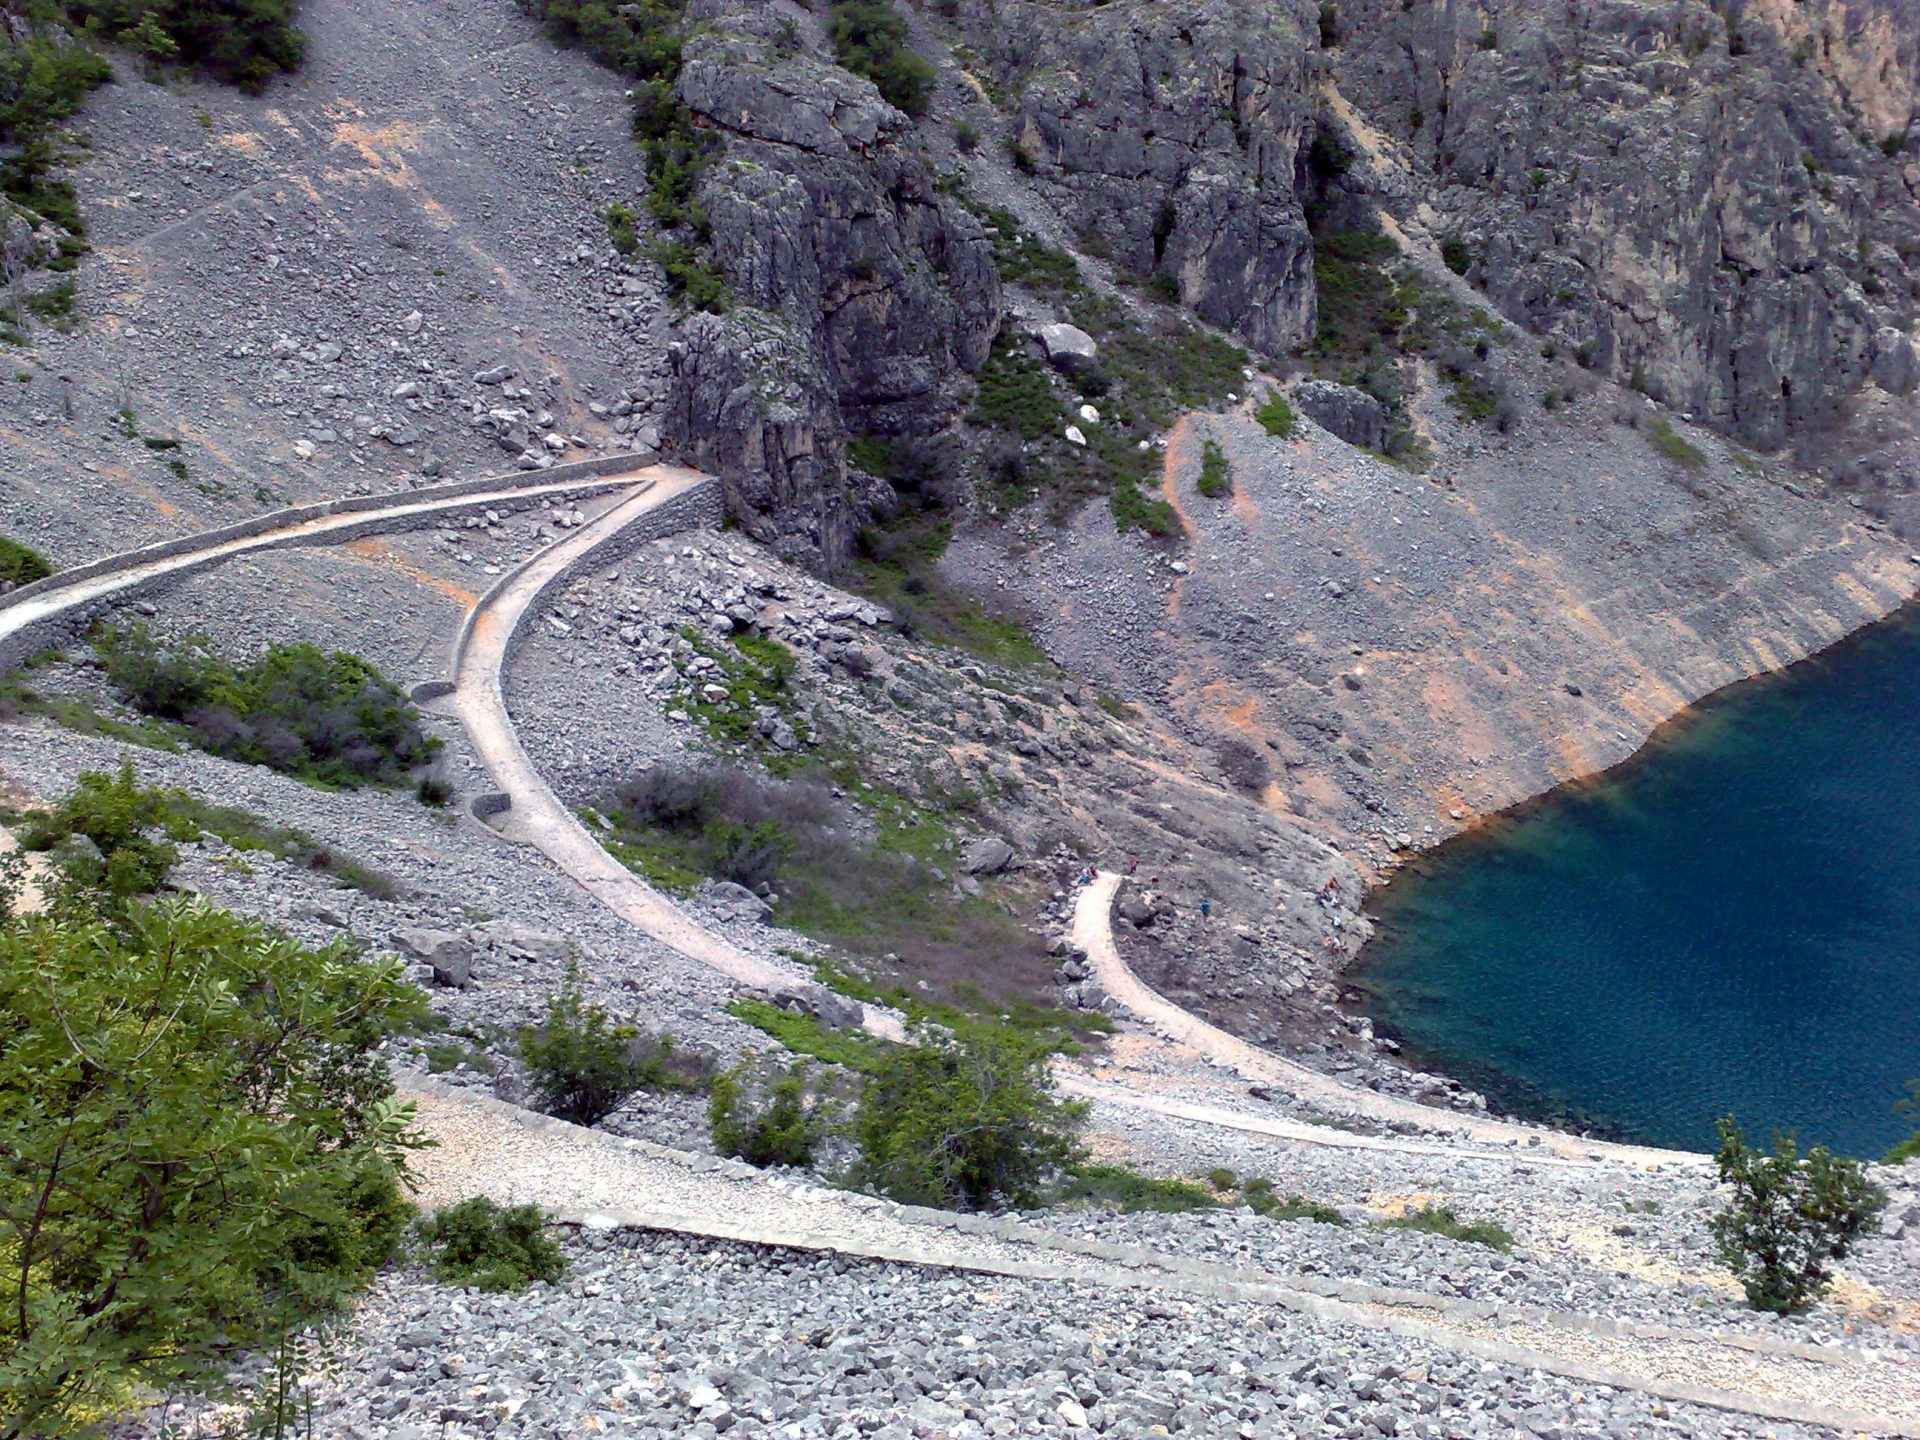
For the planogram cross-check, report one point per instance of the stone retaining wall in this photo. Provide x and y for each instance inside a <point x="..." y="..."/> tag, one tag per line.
<point x="63" y="626"/>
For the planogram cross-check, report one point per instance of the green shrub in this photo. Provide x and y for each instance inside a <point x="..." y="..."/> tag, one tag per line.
<point x="1471" y="395"/>
<point x="767" y="1121"/>
<point x="621" y="220"/>
<point x="964" y="1121"/>
<point x="1135" y="509"/>
<point x="1221" y="1178"/>
<point x="1441" y="1220"/>
<point x="200" y="1152"/>
<point x="1789" y="1218"/>
<point x="111" y="834"/>
<point x="1261" y="1199"/>
<point x="1276" y="416"/>
<point x="21" y="564"/>
<point x="491" y="1247"/>
<point x="1908" y="1148"/>
<point x="1216" y="475"/>
<point x="1455" y="254"/>
<point x="582" y="1065"/>
<point x="333" y="719"/>
<point x="243" y="42"/>
<point x="1115" y="1187"/>
<point x="1674" y="445"/>
<point x="870" y="39"/>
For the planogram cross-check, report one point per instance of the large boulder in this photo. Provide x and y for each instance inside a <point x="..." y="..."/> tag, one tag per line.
<point x="736" y="902"/>
<point x="988" y="855"/>
<point x="449" y="954"/>
<point x="1070" y="349"/>
<point x="1352" y="415"/>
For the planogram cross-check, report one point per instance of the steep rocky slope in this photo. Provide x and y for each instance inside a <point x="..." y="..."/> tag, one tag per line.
<point x="1714" y="204"/>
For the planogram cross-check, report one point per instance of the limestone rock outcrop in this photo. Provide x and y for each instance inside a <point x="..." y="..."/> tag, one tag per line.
<point x="1677" y="192"/>
<point x="861" y="294"/>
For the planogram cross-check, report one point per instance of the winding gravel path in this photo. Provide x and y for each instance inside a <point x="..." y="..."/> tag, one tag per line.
<point x="484" y="1146"/>
<point x="1093" y="931"/>
<point x="537" y="816"/>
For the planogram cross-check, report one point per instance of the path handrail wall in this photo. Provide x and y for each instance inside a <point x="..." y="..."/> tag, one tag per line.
<point x="292" y="515"/>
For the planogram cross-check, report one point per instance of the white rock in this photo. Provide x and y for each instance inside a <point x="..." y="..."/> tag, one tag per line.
<point x="1090" y="414"/>
<point x="1076" y="435"/>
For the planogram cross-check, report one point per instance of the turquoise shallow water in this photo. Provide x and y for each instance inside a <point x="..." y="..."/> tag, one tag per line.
<point x="1728" y="923"/>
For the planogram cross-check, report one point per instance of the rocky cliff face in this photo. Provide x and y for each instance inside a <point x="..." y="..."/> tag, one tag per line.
<point x="861" y="295"/>
<point x="1702" y="203"/>
<point x="1716" y="203"/>
<point x="1169" y="137"/>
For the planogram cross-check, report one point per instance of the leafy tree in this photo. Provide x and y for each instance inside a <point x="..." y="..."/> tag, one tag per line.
<point x="491" y="1247"/>
<point x="776" y="1122"/>
<point x="1790" y="1217"/>
<point x="964" y="1121"/>
<point x="200" y="1152"/>
<point x="870" y="39"/>
<point x="583" y="1065"/>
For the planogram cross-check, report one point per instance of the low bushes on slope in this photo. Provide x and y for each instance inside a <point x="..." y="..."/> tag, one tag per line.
<point x="490" y="1246"/>
<point x="129" y="832"/>
<point x="21" y="564"/>
<point x="329" y="718"/>
<point x="582" y="1064"/>
<point x="870" y="39"/>
<point x="50" y="60"/>
<point x="240" y="42"/>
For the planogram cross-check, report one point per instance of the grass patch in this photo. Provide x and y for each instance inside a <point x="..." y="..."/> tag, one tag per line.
<point x="1148" y="373"/>
<point x="755" y="672"/>
<point x="1216" y="475"/>
<point x="1263" y="1200"/>
<point x="1115" y="1187"/>
<point x="804" y="1035"/>
<point x="21" y="564"/>
<point x="1276" y="417"/>
<point x="897" y="558"/>
<point x="1674" y="446"/>
<point x="1441" y="1220"/>
<point x="884" y="893"/>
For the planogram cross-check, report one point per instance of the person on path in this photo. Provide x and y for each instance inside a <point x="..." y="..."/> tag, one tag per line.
<point x="1133" y="865"/>
<point x="1206" y="908"/>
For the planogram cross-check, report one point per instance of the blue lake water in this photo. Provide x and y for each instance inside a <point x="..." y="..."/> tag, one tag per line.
<point x="1729" y="923"/>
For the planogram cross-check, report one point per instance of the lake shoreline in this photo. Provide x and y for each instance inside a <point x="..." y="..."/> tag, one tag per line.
<point x="1526" y="1097"/>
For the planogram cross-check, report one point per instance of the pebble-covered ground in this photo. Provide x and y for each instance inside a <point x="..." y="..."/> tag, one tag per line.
<point x="654" y="1335"/>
